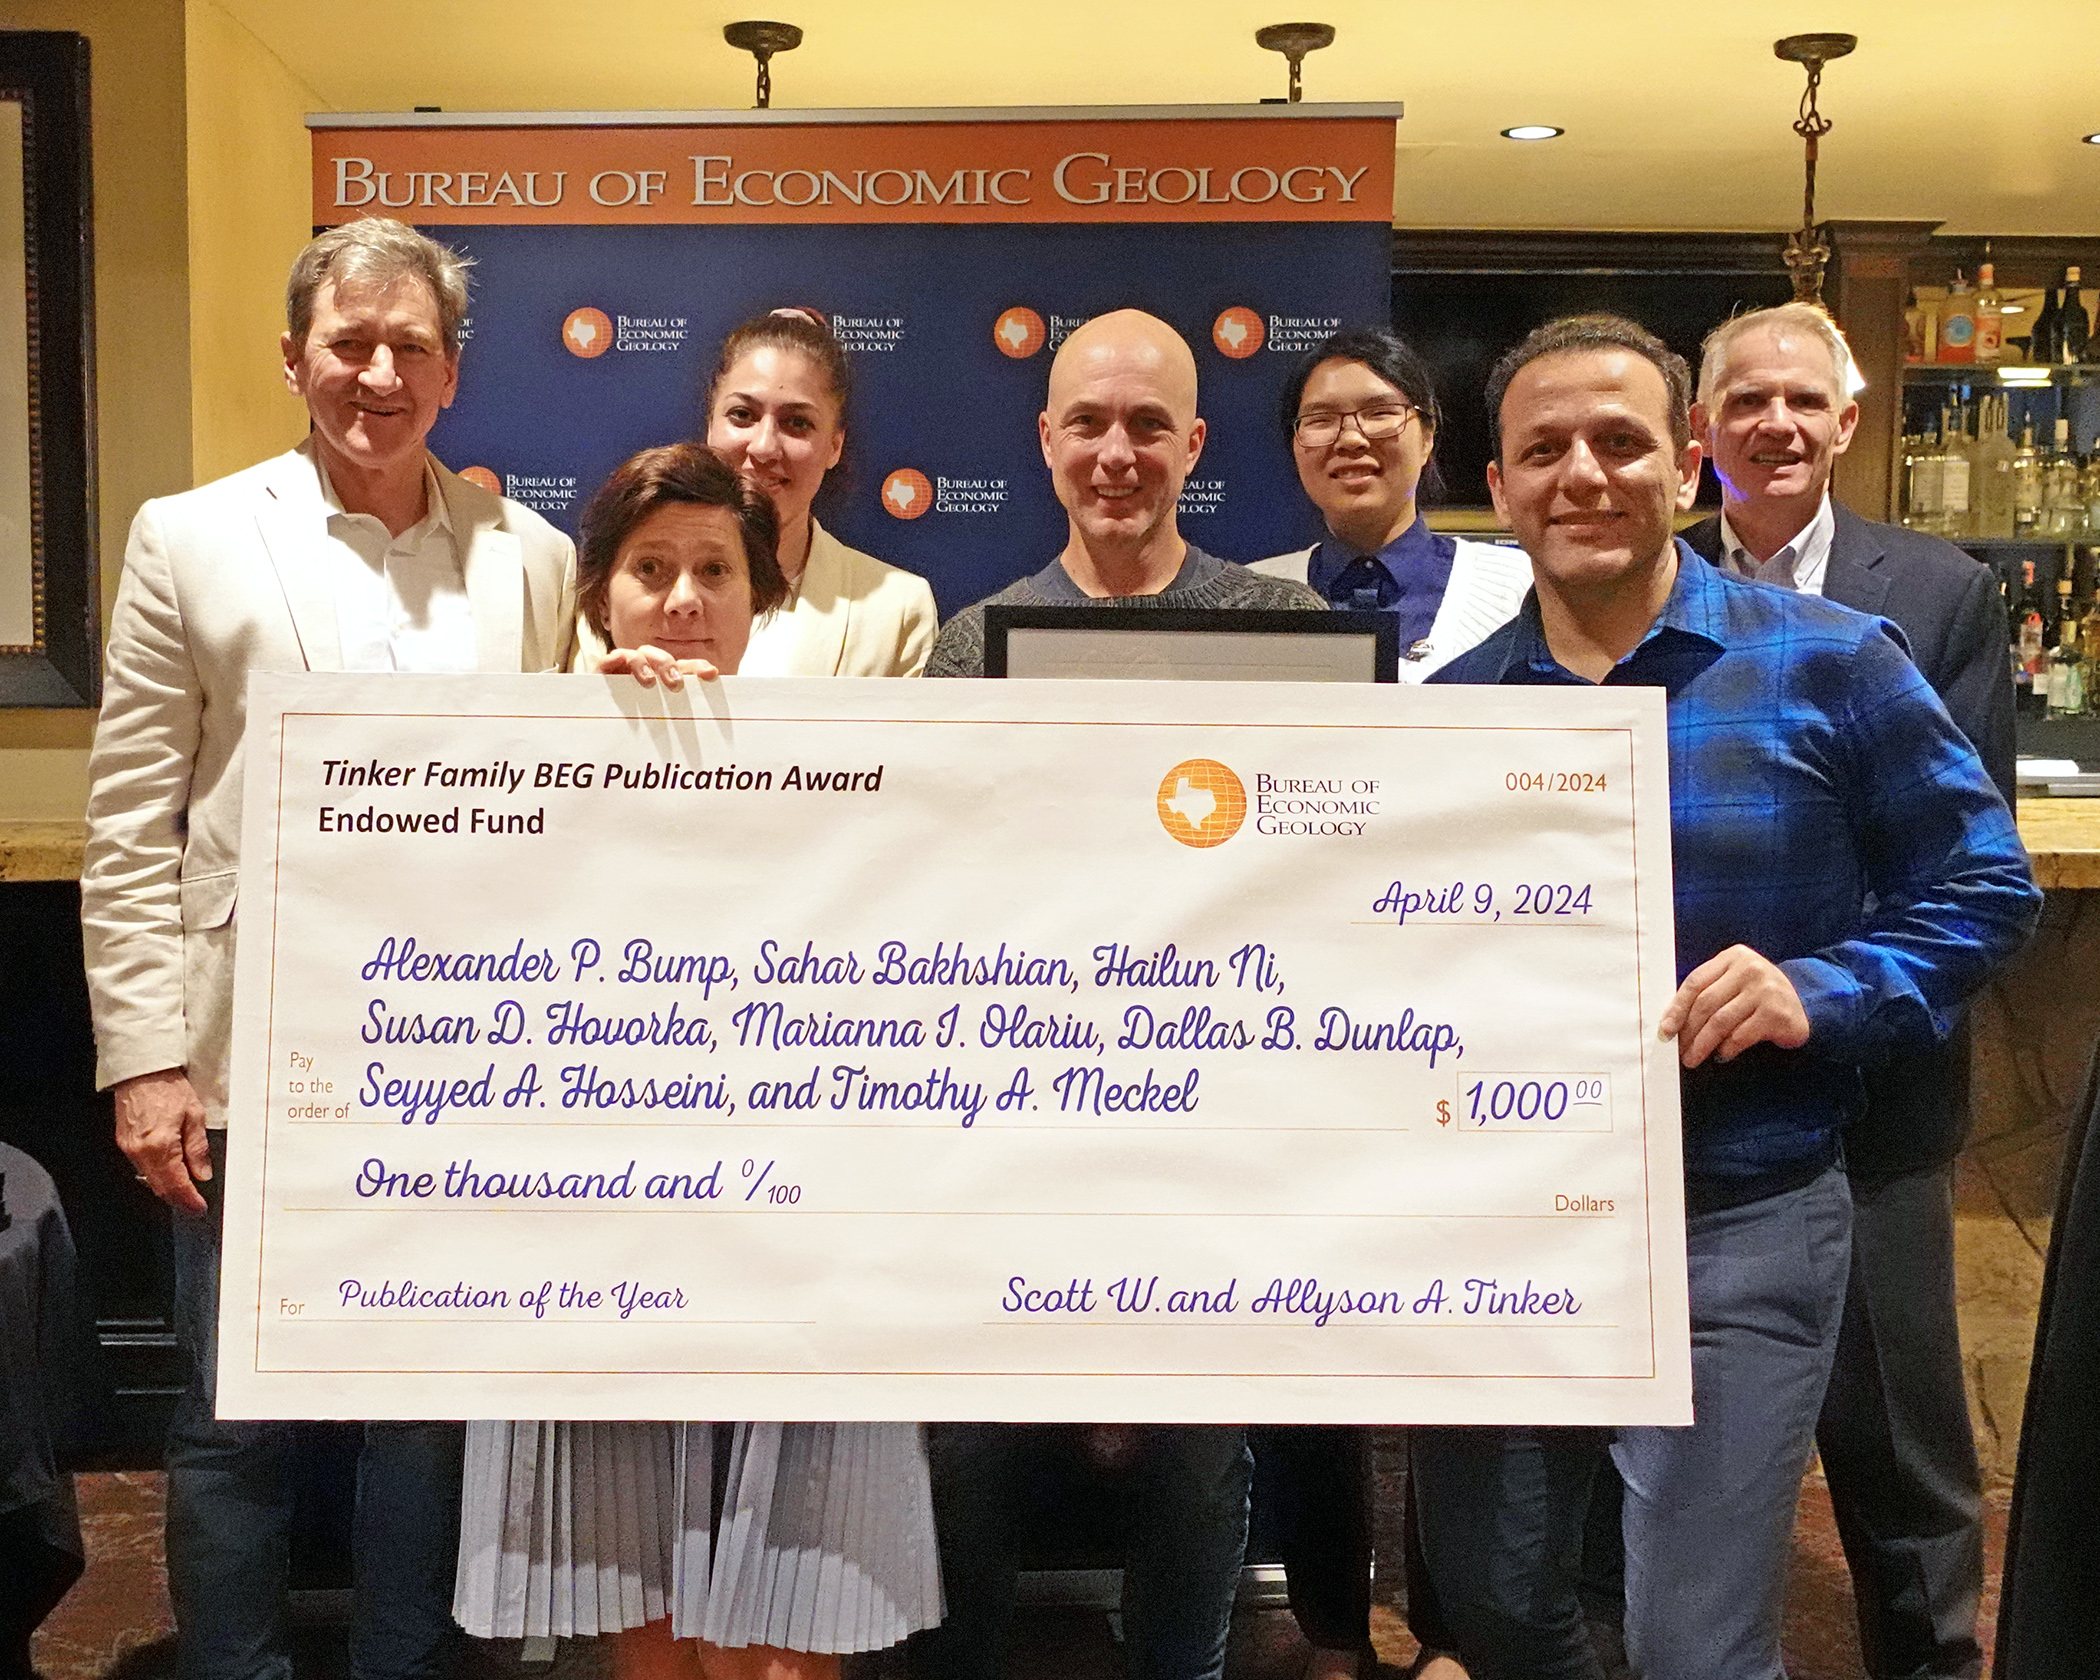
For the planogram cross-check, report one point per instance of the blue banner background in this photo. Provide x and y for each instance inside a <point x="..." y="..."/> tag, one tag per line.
<point x="942" y="398"/>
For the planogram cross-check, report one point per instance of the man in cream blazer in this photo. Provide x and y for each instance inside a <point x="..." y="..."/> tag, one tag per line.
<point x="355" y="551"/>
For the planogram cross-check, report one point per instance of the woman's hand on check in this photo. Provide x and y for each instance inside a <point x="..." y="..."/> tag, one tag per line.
<point x="651" y="665"/>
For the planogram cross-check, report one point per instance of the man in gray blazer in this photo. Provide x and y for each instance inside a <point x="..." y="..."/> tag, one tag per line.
<point x="1775" y="412"/>
<point x="356" y="551"/>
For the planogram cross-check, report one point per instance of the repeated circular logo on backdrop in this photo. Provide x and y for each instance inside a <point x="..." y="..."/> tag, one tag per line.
<point x="484" y="478"/>
<point x="1019" y="332"/>
<point x="907" y="493"/>
<point x="1201" y="803"/>
<point x="1237" y="332"/>
<point x="587" y="332"/>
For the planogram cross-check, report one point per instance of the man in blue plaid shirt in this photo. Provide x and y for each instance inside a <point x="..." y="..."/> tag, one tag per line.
<point x="1846" y="877"/>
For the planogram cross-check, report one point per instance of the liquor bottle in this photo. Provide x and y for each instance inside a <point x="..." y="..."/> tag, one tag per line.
<point x="1921" y="482"/>
<point x="2066" y="663"/>
<point x="2063" y="493"/>
<point x="2089" y="636"/>
<point x="1992" y="491"/>
<point x="2092" y="496"/>
<point x="1990" y="325"/>
<point x="1958" y="323"/>
<point x="2072" y="328"/>
<point x="2027" y="483"/>
<point x="2029" y="654"/>
<point x="2041" y="343"/>
<point x="1957" y="473"/>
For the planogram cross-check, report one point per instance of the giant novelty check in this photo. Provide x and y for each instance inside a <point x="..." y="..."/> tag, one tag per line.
<point x="1036" y="1051"/>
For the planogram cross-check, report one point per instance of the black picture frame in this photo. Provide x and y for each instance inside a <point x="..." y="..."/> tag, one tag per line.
<point x="1380" y="629"/>
<point x="45" y="72"/>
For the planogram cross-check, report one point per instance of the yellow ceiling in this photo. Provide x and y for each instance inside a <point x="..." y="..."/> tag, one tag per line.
<point x="1676" y="110"/>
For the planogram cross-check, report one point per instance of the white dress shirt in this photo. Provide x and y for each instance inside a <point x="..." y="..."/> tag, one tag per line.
<point x="1800" y="565"/>
<point x="400" y="602"/>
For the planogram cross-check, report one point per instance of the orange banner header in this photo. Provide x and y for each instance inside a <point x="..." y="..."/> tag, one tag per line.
<point x="1313" y="169"/>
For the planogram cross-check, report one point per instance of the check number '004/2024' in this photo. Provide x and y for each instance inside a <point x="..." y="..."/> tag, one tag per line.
<point x="1530" y="1102"/>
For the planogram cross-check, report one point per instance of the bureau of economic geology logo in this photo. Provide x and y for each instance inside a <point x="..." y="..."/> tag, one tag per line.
<point x="587" y="332"/>
<point x="1019" y="332"/>
<point x="907" y="493"/>
<point x="1201" y="803"/>
<point x="1237" y="332"/>
<point x="553" y="493"/>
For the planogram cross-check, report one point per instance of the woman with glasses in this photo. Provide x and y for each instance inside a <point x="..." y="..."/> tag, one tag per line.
<point x="1360" y="412"/>
<point x="1361" y="416"/>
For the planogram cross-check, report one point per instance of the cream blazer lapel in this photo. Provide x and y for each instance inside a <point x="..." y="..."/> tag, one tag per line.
<point x="292" y="521"/>
<point x="807" y="637"/>
<point x="495" y="575"/>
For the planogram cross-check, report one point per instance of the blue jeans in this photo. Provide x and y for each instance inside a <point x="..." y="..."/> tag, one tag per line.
<point x="230" y="1511"/>
<point x="1709" y="1510"/>
<point x="1186" y="1505"/>
<point x="1709" y="1514"/>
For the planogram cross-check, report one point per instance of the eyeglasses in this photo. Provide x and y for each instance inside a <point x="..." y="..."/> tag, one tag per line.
<point x="1317" y="431"/>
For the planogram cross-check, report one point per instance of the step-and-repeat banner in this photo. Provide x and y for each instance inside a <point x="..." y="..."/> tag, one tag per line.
<point x="951" y="257"/>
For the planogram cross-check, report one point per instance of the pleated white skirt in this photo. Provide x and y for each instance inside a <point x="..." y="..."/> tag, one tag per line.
<point x="826" y="1541"/>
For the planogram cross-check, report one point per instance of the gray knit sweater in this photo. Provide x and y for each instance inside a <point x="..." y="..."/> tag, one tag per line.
<point x="1203" y="581"/>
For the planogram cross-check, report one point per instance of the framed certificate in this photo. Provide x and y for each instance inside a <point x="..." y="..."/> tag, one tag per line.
<point x="50" y="619"/>
<point x="1191" y="644"/>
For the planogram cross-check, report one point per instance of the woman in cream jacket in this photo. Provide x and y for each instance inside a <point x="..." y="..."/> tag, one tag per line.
<point x="776" y="412"/>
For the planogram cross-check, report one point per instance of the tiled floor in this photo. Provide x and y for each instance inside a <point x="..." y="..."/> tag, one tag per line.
<point x="115" y="1623"/>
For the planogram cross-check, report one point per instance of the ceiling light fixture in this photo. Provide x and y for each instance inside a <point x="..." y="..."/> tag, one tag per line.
<point x="762" y="40"/>
<point x="1294" y="41"/>
<point x="2092" y="139"/>
<point x="1533" y="131"/>
<point x="1807" y="251"/>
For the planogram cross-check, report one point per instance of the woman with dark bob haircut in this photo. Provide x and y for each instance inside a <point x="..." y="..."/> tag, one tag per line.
<point x="822" y="1543"/>
<point x="677" y="474"/>
<point x="1360" y="415"/>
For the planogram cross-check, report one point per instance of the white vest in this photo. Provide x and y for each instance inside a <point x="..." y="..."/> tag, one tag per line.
<point x="1487" y="586"/>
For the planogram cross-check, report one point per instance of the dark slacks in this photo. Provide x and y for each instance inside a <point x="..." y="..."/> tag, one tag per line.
<point x="1322" y="1479"/>
<point x="230" y="1499"/>
<point x="1895" y="1436"/>
<point x="36" y="1570"/>
<point x="1185" y="1500"/>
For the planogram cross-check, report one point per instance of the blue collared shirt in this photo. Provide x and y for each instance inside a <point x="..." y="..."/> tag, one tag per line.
<point x="1419" y="563"/>
<point x="1826" y="812"/>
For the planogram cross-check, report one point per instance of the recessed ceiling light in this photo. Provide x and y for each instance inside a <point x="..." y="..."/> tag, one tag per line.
<point x="1540" y="131"/>
<point x="2092" y="139"/>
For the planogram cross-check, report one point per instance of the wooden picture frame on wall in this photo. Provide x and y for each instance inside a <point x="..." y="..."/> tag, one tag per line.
<point x="50" y="593"/>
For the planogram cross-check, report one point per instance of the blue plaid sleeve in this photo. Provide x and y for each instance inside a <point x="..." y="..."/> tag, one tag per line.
<point x="1950" y="893"/>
